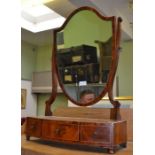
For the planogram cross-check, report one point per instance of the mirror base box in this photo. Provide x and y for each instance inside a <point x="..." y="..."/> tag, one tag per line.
<point x="105" y="133"/>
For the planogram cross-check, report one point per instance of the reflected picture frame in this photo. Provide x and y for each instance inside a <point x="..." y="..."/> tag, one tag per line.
<point x="23" y="98"/>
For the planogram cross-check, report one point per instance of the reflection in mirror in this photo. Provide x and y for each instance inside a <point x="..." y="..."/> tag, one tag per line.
<point x="84" y="61"/>
<point x="87" y="96"/>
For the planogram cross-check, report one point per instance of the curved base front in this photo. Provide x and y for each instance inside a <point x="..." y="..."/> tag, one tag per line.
<point x="103" y="133"/>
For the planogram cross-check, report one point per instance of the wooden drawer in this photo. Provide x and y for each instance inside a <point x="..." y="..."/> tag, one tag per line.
<point x="95" y="134"/>
<point x="33" y="127"/>
<point x="60" y="130"/>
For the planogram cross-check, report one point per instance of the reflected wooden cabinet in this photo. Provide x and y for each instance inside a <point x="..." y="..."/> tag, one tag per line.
<point x="104" y="133"/>
<point x="80" y="68"/>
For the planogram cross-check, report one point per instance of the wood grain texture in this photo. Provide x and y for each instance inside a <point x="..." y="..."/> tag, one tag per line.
<point x="39" y="147"/>
<point x="106" y="133"/>
<point x="84" y="112"/>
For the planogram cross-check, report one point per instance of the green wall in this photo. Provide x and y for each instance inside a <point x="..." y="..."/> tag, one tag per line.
<point x="43" y="58"/>
<point x="38" y="58"/>
<point x="28" y="60"/>
<point x="43" y="63"/>
<point x="78" y="31"/>
<point x="125" y="69"/>
<point x="61" y="101"/>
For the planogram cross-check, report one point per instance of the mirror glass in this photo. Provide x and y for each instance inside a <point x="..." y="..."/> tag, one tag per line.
<point x="84" y="60"/>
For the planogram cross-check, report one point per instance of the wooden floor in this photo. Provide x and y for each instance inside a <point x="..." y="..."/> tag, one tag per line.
<point x="40" y="147"/>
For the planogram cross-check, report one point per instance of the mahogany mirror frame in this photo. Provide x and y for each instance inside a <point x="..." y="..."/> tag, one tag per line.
<point x="116" y="34"/>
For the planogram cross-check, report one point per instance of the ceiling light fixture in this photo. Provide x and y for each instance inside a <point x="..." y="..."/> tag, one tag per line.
<point x="37" y="17"/>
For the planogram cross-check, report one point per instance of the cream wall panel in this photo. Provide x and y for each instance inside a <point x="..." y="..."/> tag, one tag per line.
<point x="31" y="100"/>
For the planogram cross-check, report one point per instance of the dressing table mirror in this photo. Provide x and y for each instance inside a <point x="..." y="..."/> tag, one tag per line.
<point x="87" y="62"/>
<point x="88" y="59"/>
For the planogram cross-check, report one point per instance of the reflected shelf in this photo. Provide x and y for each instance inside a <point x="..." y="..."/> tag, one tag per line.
<point x="89" y="84"/>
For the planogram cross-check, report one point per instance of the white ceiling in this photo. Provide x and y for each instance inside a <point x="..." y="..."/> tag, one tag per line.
<point x="119" y="8"/>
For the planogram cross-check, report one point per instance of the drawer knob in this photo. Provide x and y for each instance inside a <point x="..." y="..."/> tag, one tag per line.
<point x="57" y="131"/>
<point x="95" y="135"/>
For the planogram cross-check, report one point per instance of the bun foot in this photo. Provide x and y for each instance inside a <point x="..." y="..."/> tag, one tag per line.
<point x="111" y="151"/>
<point x="27" y="137"/>
<point x="123" y="145"/>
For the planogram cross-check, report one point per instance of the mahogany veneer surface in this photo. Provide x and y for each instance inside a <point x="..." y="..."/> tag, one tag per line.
<point x="99" y="113"/>
<point x="103" y="133"/>
<point x="40" y="147"/>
